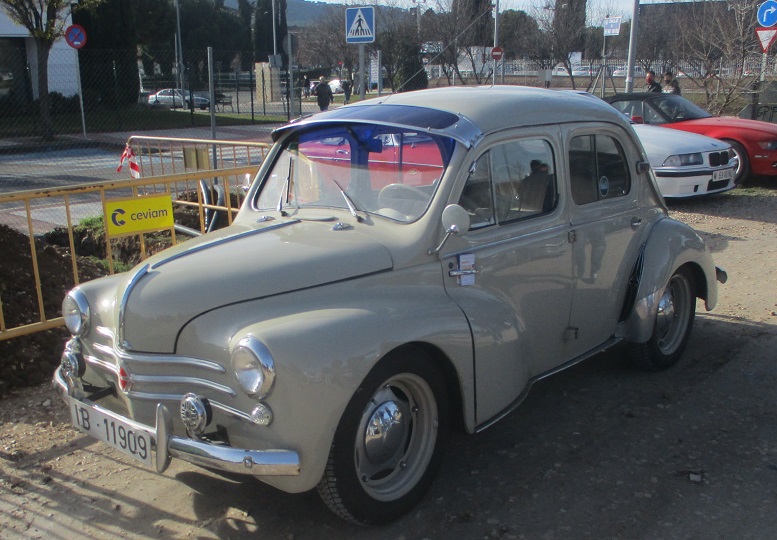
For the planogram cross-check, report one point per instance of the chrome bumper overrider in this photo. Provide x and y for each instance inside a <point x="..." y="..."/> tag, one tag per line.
<point x="203" y="453"/>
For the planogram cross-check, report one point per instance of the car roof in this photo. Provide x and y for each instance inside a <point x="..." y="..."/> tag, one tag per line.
<point x="485" y="109"/>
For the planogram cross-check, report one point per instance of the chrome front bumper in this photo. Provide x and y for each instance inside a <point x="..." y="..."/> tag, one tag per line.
<point x="202" y="453"/>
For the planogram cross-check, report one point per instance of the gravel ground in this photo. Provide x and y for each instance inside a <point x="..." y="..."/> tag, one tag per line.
<point x="599" y="451"/>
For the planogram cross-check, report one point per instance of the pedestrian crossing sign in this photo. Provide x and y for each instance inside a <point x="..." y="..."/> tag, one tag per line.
<point x="360" y="25"/>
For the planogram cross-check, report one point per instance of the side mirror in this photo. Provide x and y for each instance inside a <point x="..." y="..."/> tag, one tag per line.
<point x="455" y="222"/>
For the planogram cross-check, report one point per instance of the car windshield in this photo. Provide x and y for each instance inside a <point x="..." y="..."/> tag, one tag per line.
<point x="676" y="108"/>
<point x="387" y="171"/>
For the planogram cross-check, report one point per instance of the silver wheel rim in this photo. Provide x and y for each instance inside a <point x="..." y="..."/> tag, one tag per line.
<point x="674" y="309"/>
<point x="396" y="437"/>
<point x="740" y="164"/>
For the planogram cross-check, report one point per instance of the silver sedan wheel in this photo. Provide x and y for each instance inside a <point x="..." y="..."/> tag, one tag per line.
<point x="397" y="436"/>
<point x="673" y="315"/>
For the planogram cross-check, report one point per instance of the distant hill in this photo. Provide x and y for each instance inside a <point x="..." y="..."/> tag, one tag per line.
<point x="298" y="12"/>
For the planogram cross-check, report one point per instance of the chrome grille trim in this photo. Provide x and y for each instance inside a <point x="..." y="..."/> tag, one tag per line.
<point x="105" y="350"/>
<point x="105" y="332"/>
<point x="189" y="381"/>
<point x="158" y="360"/>
<point x="230" y="410"/>
<point x="123" y="306"/>
<point x="113" y="368"/>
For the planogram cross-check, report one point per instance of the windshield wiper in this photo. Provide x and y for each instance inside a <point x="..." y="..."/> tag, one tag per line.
<point x="285" y="189"/>
<point x="351" y="204"/>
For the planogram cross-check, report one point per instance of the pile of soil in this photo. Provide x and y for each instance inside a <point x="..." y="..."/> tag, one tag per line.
<point x="30" y="360"/>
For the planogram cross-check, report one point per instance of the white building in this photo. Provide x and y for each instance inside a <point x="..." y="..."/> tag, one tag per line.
<point x="19" y="65"/>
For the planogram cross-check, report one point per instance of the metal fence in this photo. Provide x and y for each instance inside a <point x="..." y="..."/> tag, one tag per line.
<point x="42" y="232"/>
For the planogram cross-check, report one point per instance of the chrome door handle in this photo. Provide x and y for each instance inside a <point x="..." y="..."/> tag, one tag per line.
<point x="635" y="222"/>
<point x="457" y="273"/>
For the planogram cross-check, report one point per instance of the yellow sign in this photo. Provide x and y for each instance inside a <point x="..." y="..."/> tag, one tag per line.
<point x="138" y="214"/>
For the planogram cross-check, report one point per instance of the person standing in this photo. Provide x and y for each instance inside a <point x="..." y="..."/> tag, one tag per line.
<point x="306" y="86"/>
<point x="670" y="86"/>
<point x="651" y="84"/>
<point x="347" y="87"/>
<point x="323" y="94"/>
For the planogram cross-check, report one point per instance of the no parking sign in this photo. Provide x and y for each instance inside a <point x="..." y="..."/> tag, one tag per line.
<point x="75" y="35"/>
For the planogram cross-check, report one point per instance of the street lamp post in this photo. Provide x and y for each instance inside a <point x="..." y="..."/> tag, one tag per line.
<point x="180" y="50"/>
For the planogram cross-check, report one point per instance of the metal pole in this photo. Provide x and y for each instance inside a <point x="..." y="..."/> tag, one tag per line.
<point x="274" y="39"/>
<point x="212" y="93"/>
<point x="496" y="35"/>
<point x="180" y="48"/>
<point x="632" y="48"/>
<point x="362" y="83"/>
<point x="380" y="73"/>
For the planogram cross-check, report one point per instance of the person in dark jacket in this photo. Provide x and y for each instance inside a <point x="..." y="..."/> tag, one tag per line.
<point x="323" y="94"/>
<point x="651" y="84"/>
<point x="671" y="86"/>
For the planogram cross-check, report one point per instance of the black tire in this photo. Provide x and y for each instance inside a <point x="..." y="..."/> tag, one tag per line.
<point x="743" y="169"/>
<point x="672" y="327"/>
<point x="376" y="471"/>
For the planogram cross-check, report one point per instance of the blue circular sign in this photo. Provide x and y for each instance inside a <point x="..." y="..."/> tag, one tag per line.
<point x="75" y="35"/>
<point x="767" y="13"/>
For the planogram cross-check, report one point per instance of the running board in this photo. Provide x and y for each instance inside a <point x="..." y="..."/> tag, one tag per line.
<point x="514" y="405"/>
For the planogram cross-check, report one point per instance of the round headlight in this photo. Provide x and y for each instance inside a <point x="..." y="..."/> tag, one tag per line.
<point x="253" y="366"/>
<point x="75" y="312"/>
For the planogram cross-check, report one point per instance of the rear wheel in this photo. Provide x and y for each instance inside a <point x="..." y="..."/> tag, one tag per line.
<point x="388" y="445"/>
<point x="743" y="168"/>
<point x="673" y="323"/>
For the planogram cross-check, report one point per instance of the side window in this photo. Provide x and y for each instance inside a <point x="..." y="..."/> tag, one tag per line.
<point x="477" y="198"/>
<point x="598" y="169"/>
<point x="652" y="116"/>
<point x="512" y="181"/>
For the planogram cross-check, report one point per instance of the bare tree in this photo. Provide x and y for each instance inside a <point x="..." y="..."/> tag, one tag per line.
<point x="45" y="20"/>
<point x="714" y="37"/>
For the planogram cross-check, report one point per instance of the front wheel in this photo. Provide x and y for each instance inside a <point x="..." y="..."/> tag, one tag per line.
<point x="743" y="168"/>
<point x="672" y="326"/>
<point x="388" y="445"/>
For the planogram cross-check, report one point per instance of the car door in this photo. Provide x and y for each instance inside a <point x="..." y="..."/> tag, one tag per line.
<point x="606" y="232"/>
<point x="511" y="272"/>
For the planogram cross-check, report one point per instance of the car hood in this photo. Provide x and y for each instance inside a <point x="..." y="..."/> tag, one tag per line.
<point x="237" y="264"/>
<point x="726" y="123"/>
<point x="660" y="143"/>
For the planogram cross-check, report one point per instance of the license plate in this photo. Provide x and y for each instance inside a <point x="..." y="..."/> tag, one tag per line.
<point x="725" y="174"/>
<point x="112" y="430"/>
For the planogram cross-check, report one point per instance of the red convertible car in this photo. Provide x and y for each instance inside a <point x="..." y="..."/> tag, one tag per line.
<point x="753" y="141"/>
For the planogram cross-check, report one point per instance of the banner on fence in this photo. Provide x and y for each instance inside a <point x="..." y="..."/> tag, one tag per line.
<point x="137" y="215"/>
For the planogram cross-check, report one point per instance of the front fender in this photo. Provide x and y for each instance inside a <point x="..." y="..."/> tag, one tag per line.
<point x="324" y="342"/>
<point x="670" y="245"/>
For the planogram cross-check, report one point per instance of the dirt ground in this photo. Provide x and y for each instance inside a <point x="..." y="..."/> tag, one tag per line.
<point x="599" y="451"/>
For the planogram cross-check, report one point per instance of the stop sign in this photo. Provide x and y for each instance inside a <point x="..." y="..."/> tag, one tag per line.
<point x="496" y="53"/>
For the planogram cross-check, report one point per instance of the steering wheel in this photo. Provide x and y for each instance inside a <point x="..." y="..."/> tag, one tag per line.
<point x="394" y="192"/>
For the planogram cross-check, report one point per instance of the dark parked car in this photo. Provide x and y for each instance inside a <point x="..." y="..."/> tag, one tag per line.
<point x="754" y="142"/>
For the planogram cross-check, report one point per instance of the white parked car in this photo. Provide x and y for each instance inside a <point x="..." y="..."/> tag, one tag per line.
<point x="687" y="164"/>
<point x="172" y="97"/>
<point x="400" y="267"/>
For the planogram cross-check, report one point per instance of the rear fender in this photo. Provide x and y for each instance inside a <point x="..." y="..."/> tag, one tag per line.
<point x="670" y="245"/>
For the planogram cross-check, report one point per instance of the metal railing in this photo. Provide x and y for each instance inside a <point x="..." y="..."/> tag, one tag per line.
<point x="205" y="179"/>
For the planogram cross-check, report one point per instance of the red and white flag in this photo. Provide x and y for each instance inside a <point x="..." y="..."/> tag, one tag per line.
<point x="129" y="156"/>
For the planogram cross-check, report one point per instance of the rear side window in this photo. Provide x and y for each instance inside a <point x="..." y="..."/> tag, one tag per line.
<point x="598" y="169"/>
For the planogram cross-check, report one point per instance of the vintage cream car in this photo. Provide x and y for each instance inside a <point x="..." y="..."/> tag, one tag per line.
<point x="401" y="267"/>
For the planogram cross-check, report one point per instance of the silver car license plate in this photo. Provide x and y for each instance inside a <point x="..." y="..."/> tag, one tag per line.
<point x="112" y="430"/>
<point x="724" y="174"/>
